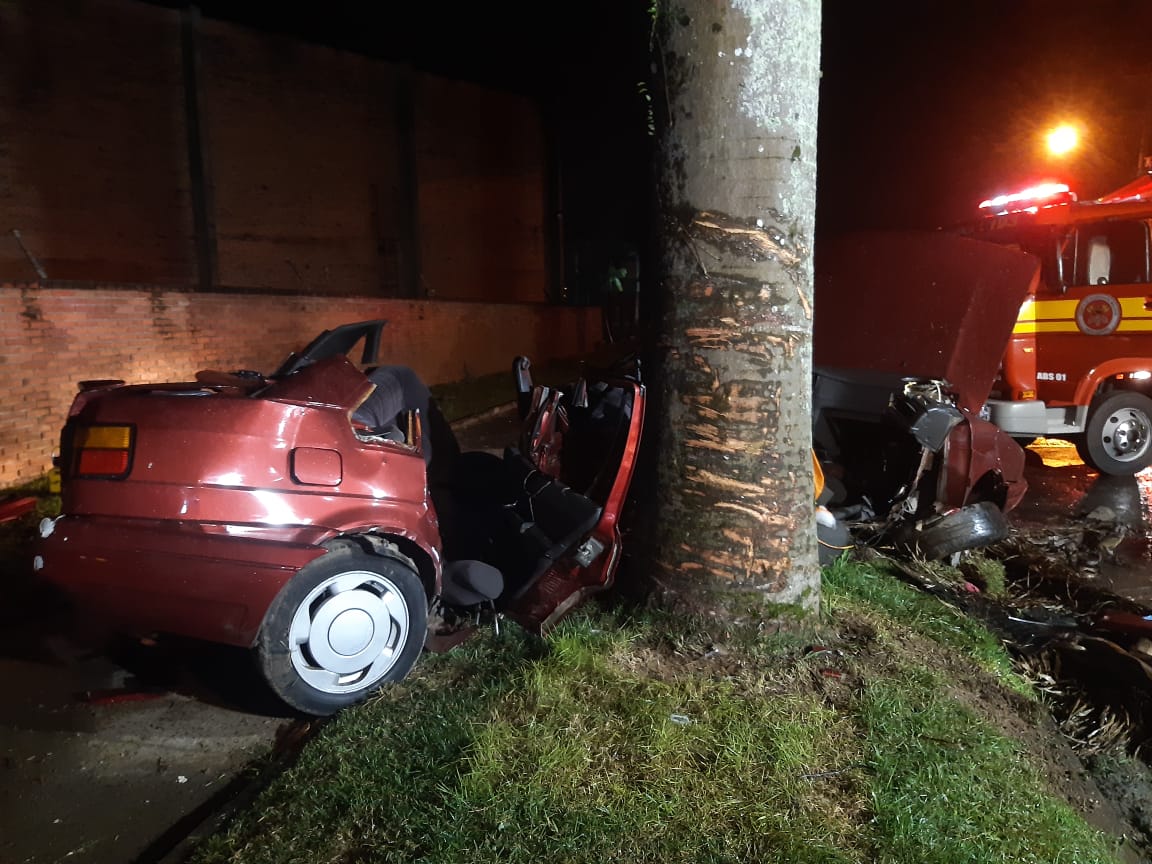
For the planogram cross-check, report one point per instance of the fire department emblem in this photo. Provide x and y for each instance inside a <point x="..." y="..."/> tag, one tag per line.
<point x="1098" y="314"/>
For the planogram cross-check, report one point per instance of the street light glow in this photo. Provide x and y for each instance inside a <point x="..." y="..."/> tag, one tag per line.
<point x="1063" y="139"/>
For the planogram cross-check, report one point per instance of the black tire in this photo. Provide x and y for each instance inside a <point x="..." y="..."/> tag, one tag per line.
<point x="385" y="620"/>
<point x="1118" y="439"/>
<point x="970" y="527"/>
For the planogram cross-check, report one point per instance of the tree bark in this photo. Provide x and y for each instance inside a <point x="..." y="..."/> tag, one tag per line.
<point x="734" y="484"/>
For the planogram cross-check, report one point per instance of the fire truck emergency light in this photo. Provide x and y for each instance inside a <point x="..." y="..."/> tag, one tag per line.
<point x="1041" y="195"/>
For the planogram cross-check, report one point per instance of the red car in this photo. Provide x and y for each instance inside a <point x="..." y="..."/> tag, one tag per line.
<point x="324" y="516"/>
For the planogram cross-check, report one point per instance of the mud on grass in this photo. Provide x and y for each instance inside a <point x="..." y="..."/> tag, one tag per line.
<point x="896" y="731"/>
<point x="1097" y="684"/>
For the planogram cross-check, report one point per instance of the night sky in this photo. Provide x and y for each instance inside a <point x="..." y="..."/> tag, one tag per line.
<point x="926" y="107"/>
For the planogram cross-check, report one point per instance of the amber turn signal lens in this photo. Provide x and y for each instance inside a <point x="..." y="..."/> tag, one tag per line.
<point x="104" y="437"/>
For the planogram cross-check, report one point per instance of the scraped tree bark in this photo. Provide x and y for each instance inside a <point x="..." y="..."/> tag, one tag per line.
<point x="737" y="192"/>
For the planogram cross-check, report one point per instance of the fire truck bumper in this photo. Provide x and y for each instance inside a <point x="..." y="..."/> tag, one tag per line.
<point x="1034" y="418"/>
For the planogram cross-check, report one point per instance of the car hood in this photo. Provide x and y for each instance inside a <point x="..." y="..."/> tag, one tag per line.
<point x="919" y="304"/>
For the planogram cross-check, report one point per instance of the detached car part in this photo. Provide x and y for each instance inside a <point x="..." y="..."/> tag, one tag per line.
<point x="901" y="313"/>
<point x="911" y="460"/>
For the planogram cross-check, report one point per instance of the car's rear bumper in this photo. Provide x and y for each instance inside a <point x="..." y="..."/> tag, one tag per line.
<point x="167" y="576"/>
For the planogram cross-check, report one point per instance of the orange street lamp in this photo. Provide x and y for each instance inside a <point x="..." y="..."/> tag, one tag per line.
<point x="1062" y="140"/>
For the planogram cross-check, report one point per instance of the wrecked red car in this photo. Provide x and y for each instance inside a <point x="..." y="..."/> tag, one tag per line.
<point x="909" y="331"/>
<point x="324" y="516"/>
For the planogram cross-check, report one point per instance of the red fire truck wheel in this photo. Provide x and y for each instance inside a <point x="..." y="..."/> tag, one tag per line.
<point x="1118" y="439"/>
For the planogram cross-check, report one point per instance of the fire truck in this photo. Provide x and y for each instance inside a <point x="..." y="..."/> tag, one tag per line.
<point x="1078" y="364"/>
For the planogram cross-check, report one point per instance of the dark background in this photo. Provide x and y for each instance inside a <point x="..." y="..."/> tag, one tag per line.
<point x="929" y="108"/>
<point x="926" y="108"/>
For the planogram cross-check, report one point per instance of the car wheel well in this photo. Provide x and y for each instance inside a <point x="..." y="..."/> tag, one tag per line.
<point x="1112" y="385"/>
<point x="990" y="487"/>
<point x="391" y="546"/>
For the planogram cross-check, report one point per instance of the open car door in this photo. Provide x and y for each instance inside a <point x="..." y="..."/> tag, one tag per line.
<point x="573" y="469"/>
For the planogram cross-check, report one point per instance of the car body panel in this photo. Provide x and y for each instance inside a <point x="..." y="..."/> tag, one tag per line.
<point x="977" y="449"/>
<point x="185" y="578"/>
<point x="566" y="584"/>
<point x="214" y="515"/>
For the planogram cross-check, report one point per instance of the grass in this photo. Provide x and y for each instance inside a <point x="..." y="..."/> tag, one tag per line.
<point x="946" y="789"/>
<point x="854" y="590"/>
<point x="618" y="739"/>
<point x="989" y="574"/>
<point x="17" y="536"/>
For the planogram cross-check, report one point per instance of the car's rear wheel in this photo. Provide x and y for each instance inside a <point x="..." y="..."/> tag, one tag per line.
<point x="1118" y="439"/>
<point x="345" y="625"/>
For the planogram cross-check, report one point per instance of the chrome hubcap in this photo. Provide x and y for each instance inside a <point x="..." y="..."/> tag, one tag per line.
<point x="1126" y="434"/>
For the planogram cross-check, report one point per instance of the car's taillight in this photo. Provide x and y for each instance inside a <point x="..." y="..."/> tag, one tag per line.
<point x="102" y="451"/>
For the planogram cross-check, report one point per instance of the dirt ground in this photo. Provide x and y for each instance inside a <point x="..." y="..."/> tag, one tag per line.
<point x="1080" y="546"/>
<point x="1113" y="794"/>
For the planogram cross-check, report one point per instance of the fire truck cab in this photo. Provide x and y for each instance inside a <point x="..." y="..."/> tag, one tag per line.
<point x="1078" y="364"/>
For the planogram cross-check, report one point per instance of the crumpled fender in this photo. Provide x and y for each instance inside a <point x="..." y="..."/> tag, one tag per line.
<point x="975" y="449"/>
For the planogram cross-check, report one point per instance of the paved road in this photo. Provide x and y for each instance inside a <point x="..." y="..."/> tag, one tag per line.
<point x="100" y="756"/>
<point x="1062" y="491"/>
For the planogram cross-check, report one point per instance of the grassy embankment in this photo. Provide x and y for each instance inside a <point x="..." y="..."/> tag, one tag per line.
<point x="870" y="736"/>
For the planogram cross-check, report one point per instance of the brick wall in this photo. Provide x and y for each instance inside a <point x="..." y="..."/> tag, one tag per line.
<point x="334" y="181"/>
<point x="93" y="168"/>
<point x="327" y="172"/>
<point x="52" y="337"/>
<point x="481" y="196"/>
<point x="303" y="154"/>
